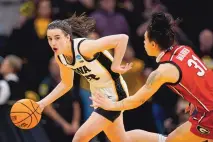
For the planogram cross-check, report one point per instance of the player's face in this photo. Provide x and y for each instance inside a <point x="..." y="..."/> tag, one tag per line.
<point x="149" y="45"/>
<point x="58" y="41"/>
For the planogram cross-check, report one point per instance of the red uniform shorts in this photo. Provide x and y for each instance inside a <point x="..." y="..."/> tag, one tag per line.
<point x="202" y="124"/>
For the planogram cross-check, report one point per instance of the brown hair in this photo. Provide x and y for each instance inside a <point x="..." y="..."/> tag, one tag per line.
<point x="77" y="26"/>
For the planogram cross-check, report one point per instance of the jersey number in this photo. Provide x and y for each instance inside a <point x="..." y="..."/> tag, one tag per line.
<point x="196" y="63"/>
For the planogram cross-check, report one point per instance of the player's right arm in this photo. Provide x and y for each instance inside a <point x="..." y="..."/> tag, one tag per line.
<point x="118" y="42"/>
<point x="64" y="86"/>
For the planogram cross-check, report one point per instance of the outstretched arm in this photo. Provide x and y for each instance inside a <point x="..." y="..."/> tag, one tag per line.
<point x="164" y="74"/>
<point x="64" y="86"/>
<point x="153" y="83"/>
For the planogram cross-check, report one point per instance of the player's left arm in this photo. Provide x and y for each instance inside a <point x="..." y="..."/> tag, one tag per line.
<point x="165" y="73"/>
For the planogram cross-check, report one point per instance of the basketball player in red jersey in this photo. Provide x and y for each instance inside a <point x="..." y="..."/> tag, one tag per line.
<point x="182" y="70"/>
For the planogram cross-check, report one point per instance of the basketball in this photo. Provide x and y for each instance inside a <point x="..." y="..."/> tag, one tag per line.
<point x="25" y="114"/>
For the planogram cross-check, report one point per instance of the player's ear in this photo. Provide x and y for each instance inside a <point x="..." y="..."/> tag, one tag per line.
<point x="153" y="44"/>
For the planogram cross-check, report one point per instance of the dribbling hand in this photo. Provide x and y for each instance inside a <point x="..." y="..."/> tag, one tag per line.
<point x="121" y="69"/>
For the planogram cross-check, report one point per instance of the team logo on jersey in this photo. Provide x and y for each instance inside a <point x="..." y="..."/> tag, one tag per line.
<point x="203" y="130"/>
<point x="78" y="57"/>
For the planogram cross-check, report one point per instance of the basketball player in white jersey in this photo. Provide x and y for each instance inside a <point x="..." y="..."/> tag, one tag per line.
<point x="91" y="59"/>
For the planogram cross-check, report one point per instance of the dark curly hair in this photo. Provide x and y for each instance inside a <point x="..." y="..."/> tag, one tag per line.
<point x="76" y="26"/>
<point x="161" y="29"/>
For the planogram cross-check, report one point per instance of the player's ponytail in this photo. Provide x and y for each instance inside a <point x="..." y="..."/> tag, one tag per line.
<point x="81" y="25"/>
<point x="161" y="29"/>
<point x="160" y="22"/>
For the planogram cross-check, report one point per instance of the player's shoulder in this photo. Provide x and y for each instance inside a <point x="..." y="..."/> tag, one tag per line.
<point x="182" y="47"/>
<point x="166" y="66"/>
<point x="83" y="42"/>
<point x="79" y="39"/>
<point x="177" y="47"/>
<point x="179" y="52"/>
<point x="169" y="70"/>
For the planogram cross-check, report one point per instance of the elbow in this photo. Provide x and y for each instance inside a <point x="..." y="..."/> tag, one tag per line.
<point x="69" y="86"/>
<point x="124" y="37"/>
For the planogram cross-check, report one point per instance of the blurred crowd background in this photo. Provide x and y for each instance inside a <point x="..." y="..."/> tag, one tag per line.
<point x="28" y="70"/>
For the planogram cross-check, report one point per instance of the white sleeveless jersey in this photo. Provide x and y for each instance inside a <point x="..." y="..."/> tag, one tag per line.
<point x="97" y="72"/>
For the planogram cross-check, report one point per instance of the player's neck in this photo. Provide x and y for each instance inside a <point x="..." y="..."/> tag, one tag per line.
<point x="68" y="51"/>
<point x="159" y="55"/>
<point x="158" y="52"/>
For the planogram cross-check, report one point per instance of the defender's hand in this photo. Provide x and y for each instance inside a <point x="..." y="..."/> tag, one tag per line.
<point x="100" y="100"/>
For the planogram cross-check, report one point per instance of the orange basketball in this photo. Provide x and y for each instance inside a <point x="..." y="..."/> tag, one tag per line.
<point x="25" y="114"/>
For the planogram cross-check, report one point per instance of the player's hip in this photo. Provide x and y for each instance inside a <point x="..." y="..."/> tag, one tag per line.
<point x="115" y="90"/>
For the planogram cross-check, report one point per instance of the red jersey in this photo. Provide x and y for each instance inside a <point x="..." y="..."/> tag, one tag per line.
<point x="196" y="81"/>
